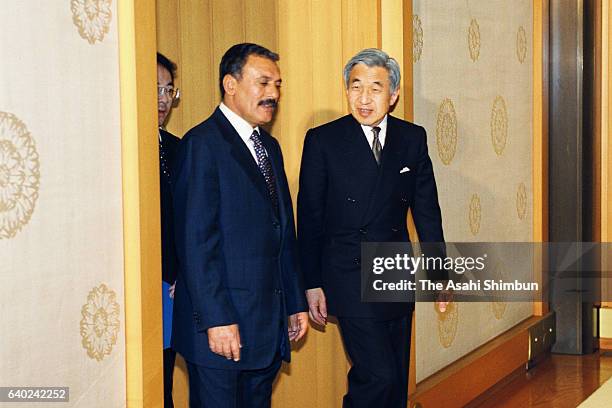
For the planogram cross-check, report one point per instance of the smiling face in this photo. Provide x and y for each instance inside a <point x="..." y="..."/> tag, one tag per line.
<point x="255" y="93"/>
<point x="369" y="94"/>
<point x="164" y="102"/>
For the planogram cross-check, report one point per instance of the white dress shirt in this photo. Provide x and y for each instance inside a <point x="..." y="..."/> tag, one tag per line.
<point x="244" y="129"/>
<point x="382" y="135"/>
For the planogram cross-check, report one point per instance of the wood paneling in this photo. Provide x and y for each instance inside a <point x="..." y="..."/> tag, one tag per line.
<point x="557" y="381"/>
<point x="606" y="153"/>
<point x="540" y="145"/>
<point x="392" y="42"/>
<point x="468" y="377"/>
<point x="141" y="231"/>
<point x="169" y="44"/>
<point x="196" y="63"/>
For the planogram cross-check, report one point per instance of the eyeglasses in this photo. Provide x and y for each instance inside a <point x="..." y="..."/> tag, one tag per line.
<point x="172" y="93"/>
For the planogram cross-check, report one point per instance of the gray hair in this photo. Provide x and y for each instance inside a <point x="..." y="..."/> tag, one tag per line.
<point x="373" y="57"/>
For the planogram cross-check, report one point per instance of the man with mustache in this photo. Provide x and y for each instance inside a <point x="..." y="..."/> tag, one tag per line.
<point x="359" y="176"/>
<point x="239" y="300"/>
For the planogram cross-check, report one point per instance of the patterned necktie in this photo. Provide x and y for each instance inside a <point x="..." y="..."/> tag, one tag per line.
<point x="163" y="163"/>
<point x="376" y="146"/>
<point x="263" y="161"/>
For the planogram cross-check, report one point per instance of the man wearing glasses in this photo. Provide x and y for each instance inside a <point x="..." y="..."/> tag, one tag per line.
<point x="166" y="96"/>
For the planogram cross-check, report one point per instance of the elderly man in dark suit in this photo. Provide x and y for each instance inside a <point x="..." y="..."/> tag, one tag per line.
<point x="360" y="175"/>
<point x="239" y="297"/>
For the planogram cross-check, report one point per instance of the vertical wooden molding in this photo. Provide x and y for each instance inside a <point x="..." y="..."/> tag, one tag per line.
<point x="540" y="140"/>
<point x="141" y="230"/>
<point x="169" y="43"/>
<point x="606" y="130"/>
<point x="604" y="121"/>
<point x="391" y="31"/>
<point x="380" y="23"/>
<point x="596" y="213"/>
<point x="408" y="88"/>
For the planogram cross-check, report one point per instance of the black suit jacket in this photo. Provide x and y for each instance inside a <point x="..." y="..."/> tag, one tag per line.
<point x="169" y="144"/>
<point x="345" y="199"/>
<point x="238" y="258"/>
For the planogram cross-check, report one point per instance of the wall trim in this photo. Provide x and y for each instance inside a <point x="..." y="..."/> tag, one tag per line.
<point x="141" y="219"/>
<point x="470" y="376"/>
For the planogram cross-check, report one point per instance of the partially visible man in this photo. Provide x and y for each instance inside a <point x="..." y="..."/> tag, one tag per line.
<point x="239" y="298"/>
<point x="166" y="96"/>
<point x="359" y="176"/>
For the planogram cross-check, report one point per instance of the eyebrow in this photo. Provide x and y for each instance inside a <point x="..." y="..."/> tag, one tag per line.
<point x="267" y="78"/>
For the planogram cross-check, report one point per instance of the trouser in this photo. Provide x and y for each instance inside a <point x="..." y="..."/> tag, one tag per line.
<point x="380" y="356"/>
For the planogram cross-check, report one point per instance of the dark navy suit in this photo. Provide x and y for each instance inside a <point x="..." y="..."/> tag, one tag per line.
<point x="237" y="254"/>
<point x="168" y="145"/>
<point x="346" y="198"/>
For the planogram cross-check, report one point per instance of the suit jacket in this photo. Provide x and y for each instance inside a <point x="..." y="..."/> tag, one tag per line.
<point x="238" y="258"/>
<point x="345" y="199"/>
<point x="169" y="145"/>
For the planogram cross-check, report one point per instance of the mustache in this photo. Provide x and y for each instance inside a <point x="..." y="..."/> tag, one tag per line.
<point x="268" y="102"/>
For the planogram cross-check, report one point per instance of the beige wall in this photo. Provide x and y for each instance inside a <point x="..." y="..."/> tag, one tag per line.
<point x="61" y="233"/>
<point x="473" y="92"/>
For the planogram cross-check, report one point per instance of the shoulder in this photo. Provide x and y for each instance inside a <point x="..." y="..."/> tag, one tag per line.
<point x="168" y="137"/>
<point x="409" y="131"/>
<point x="203" y="132"/>
<point x="335" y="126"/>
<point x="405" y="125"/>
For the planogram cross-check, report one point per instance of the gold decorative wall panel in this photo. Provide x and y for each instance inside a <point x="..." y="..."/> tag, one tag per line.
<point x="473" y="93"/>
<point x="19" y="175"/>
<point x="61" y="221"/>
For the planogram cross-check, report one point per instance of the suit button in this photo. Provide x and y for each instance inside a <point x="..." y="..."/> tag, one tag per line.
<point x="351" y="200"/>
<point x="356" y="261"/>
<point x="363" y="231"/>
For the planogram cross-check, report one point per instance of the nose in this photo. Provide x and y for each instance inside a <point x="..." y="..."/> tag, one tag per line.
<point x="165" y="98"/>
<point x="273" y="91"/>
<point x="364" y="96"/>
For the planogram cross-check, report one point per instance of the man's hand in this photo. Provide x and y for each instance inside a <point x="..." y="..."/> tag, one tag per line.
<point x="298" y="324"/>
<point x="171" y="290"/>
<point x="225" y="341"/>
<point x="317" y="305"/>
<point x="444" y="298"/>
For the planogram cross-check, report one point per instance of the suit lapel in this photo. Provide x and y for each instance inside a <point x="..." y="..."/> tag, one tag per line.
<point x="241" y="153"/>
<point x="391" y="155"/>
<point x="359" y="148"/>
<point x="363" y="168"/>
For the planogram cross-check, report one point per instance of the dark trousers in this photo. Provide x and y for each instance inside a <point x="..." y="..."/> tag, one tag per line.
<point x="169" y="359"/>
<point x="214" y="388"/>
<point x="380" y="354"/>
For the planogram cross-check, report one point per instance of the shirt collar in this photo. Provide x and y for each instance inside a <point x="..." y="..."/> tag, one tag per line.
<point x="382" y="125"/>
<point x="244" y="129"/>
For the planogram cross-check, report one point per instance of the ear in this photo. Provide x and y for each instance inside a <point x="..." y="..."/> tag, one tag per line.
<point x="393" y="98"/>
<point x="229" y="84"/>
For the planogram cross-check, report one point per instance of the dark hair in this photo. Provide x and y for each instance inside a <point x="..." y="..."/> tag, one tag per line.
<point x="234" y="59"/>
<point x="166" y="63"/>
